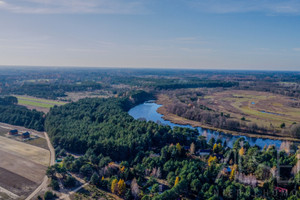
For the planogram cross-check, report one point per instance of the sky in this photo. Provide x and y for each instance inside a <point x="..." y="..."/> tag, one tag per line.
<point x="202" y="34"/>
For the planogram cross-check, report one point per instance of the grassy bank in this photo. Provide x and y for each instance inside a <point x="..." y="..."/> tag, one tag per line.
<point x="163" y="100"/>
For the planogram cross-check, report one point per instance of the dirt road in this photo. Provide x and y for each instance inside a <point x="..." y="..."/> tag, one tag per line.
<point x="52" y="162"/>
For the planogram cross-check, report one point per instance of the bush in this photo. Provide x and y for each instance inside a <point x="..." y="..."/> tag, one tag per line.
<point x="49" y="195"/>
<point x="70" y="182"/>
<point x="54" y="184"/>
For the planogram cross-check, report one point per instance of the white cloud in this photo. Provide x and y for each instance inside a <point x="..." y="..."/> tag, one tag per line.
<point x="242" y="6"/>
<point x="73" y="6"/>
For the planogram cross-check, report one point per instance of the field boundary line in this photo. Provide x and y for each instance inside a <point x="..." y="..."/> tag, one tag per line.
<point x="9" y="193"/>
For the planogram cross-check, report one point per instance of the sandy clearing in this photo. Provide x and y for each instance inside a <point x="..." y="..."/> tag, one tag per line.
<point x="32" y="153"/>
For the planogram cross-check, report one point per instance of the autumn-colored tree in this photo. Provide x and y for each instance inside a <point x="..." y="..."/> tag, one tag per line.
<point x="121" y="187"/>
<point x="211" y="159"/>
<point x="215" y="147"/>
<point x="176" y="181"/>
<point x="242" y="151"/>
<point x="114" y="185"/>
<point x="192" y="148"/>
<point x="233" y="170"/>
<point x="122" y="169"/>
<point x="102" y="179"/>
<point x="178" y="147"/>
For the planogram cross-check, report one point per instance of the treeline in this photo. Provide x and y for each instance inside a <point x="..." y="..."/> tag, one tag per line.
<point x="207" y="116"/>
<point x="194" y="84"/>
<point x="19" y="115"/>
<point x="52" y="90"/>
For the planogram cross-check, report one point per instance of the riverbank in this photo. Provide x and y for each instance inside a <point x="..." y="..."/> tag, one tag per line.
<point x="183" y="121"/>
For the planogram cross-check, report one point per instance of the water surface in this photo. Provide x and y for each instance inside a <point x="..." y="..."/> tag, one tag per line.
<point x="148" y="111"/>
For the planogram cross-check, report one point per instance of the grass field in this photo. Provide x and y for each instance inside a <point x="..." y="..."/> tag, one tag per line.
<point x="40" y="100"/>
<point x="38" y="142"/>
<point x="260" y="107"/>
<point x="36" y="103"/>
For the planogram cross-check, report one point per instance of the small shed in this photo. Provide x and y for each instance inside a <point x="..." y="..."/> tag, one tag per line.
<point x="13" y="132"/>
<point x="204" y="152"/>
<point x="227" y="170"/>
<point x="25" y="135"/>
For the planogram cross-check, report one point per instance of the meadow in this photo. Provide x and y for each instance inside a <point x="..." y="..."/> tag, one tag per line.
<point x="37" y="103"/>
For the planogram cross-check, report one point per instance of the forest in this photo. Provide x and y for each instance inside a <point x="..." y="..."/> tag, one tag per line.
<point x="20" y="115"/>
<point x="143" y="160"/>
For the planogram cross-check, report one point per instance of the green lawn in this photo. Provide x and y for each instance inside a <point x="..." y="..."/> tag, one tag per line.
<point x="32" y="103"/>
<point x="40" y="100"/>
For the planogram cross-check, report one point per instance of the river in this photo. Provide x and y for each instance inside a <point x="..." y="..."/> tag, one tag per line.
<point x="148" y="111"/>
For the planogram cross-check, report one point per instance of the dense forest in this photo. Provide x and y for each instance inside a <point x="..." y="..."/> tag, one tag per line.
<point x="20" y="115"/>
<point x="143" y="160"/>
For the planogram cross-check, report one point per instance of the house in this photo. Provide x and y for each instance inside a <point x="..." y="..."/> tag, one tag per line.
<point x="154" y="155"/>
<point x="281" y="190"/>
<point x="227" y="170"/>
<point x="187" y="148"/>
<point x="13" y="132"/>
<point x="219" y="156"/>
<point x="204" y="152"/>
<point x="25" y="135"/>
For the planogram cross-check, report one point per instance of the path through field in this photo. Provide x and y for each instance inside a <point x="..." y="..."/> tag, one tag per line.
<point x="52" y="162"/>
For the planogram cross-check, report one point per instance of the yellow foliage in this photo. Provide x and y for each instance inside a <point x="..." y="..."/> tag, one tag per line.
<point x="211" y="159"/>
<point x="215" y="147"/>
<point x="102" y="178"/>
<point x="121" y="186"/>
<point x="176" y="181"/>
<point x="219" y="146"/>
<point x="242" y="151"/>
<point x="178" y="147"/>
<point x="122" y="169"/>
<point x="233" y="170"/>
<point x="114" y="184"/>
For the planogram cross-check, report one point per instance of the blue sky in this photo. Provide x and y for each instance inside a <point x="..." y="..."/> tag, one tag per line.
<point x="204" y="34"/>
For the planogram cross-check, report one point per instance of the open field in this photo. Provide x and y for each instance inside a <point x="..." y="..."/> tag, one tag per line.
<point x="30" y="152"/>
<point x="39" y="142"/>
<point x="15" y="183"/>
<point x="76" y="96"/>
<point x="37" y="103"/>
<point x="3" y="131"/>
<point x="239" y="104"/>
<point x="260" y="107"/>
<point x="22" y="168"/>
